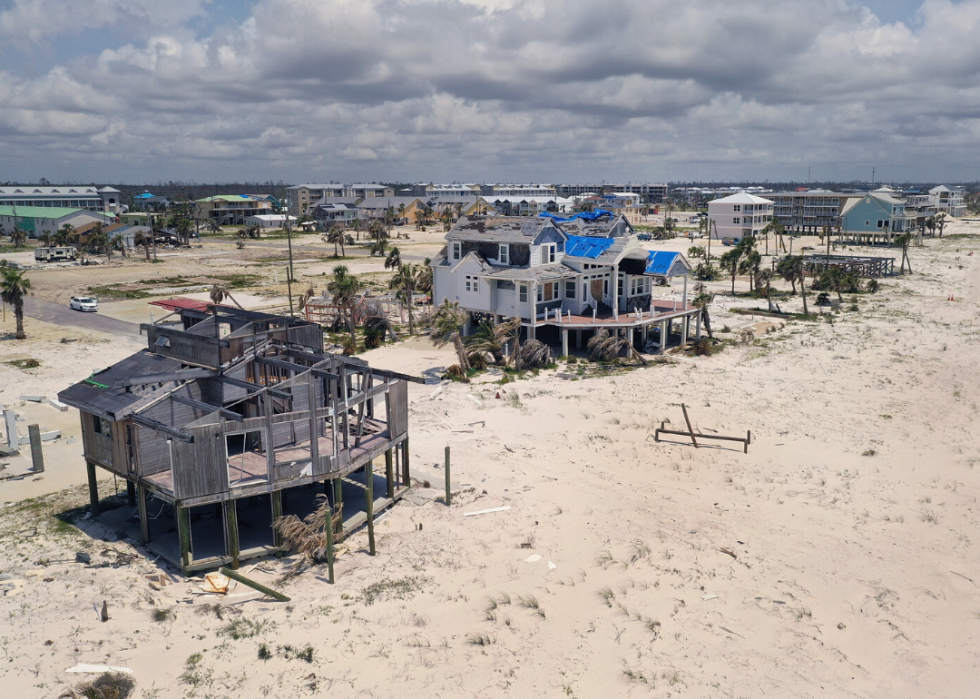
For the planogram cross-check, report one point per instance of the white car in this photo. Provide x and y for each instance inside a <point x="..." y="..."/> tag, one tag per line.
<point x="83" y="303"/>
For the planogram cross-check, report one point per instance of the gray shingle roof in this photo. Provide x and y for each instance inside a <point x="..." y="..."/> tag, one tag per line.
<point x="543" y="273"/>
<point x="500" y="229"/>
<point x="116" y="403"/>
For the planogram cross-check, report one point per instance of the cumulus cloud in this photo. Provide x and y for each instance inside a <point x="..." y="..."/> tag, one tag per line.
<point x="505" y="89"/>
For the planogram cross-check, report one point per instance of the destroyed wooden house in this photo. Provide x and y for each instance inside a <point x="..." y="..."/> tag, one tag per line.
<point x="230" y="419"/>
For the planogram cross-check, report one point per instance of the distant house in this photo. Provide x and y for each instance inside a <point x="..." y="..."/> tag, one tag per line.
<point x="739" y="216"/>
<point x="36" y="220"/>
<point x="233" y="209"/>
<point x="61" y="197"/>
<point x="948" y="201"/>
<point x="376" y="207"/>
<point x="877" y="217"/>
<point x="464" y="206"/>
<point x="330" y="210"/>
<point x="269" y="220"/>
<point x="569" y="274"/>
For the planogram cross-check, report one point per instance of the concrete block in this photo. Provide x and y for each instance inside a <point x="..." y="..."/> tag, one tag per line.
<point x="57" y="405"/>
<point x="45" y="437"/>
<point x="34" y="399"/>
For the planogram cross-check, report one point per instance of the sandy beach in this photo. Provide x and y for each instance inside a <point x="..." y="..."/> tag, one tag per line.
<point x="837" y="558"/>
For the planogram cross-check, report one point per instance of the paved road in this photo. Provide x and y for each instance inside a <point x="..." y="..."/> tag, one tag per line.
<point x="62" y="315"/>
<point x="351" y="252"/>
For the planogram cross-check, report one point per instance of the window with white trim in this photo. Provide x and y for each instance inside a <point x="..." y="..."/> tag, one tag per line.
<point x="736" y="220"/>
<point x="547" y="292"/>
<point x="522" y="291"/>
<point x="457" y="250"/>
<point x="472" y="283"/>
<point x="503" y="254"/>
<point x="548" y="254"/>
<point x="570" y="290"/>
<point x="737" y="207"/>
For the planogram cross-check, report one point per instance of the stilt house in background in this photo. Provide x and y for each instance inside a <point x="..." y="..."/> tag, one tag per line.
<point x="230" y="419"/>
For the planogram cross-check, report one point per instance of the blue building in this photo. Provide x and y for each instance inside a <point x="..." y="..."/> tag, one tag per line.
<point x="876" y="218"/>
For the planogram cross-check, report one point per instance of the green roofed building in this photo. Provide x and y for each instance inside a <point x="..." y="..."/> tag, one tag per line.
<point x="35" y="220"/>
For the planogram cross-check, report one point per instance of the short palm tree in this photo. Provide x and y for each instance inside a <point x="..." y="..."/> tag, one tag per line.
<point x="336" y="236"/>
<point x="446" y="326"/>
<point x="903" y="242"/>
<point x="18" y="237"/>
<point x="64" y="235"/>
<point x="394" y="259"/>
<point x="13" y="288"/>
<point x="764" y="281"/>
<point x="379" y="248"/>
<point x="702" y="300"/>
<point x="491" y="338"/>
<point x="220" y="293"/>
<point x="344" y="287"/>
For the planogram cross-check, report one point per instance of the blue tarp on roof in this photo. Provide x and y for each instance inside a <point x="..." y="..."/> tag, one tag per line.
<point x="659" y="262"/>
<point x="586" y="215"/>
<point x="144" y="195"/>
<point x="587" y="246"/>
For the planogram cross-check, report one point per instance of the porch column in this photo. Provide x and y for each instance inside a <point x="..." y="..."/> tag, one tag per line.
<point x="685" y="326"/>
<point x="276" y="497"/>
<point x="184" y="532"/>
<point x="564" y="342"/>
<point x="578" y="339"/>
<point x="663" y="337"/>
<point x="685" y="291"/>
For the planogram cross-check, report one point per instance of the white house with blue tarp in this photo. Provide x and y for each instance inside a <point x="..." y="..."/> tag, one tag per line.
<point x="579" y="273"/>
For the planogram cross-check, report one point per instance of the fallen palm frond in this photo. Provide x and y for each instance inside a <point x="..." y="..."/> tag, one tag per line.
<point x="534" y="355"/>
<point x="308" y="536"/>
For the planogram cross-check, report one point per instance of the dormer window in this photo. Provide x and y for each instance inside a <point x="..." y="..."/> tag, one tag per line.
<point x="503" y="255"/>
<point x="548" y="253"/>
<point x="457" y="250"/>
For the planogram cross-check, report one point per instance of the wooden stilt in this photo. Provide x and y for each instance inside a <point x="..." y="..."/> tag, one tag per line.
<point x="338" y="501"/>
<point x="329" y="531"/>
<point x="449" y="494"/>
<point x="130" y="493"/>
<point x="689" y="428"/>
<point x="406" y="472"/>
<point x="93" y="488"/>
<point x="369" y="503"/>
<point x="389" y="474"/>
<point x="231" y="525"/>
<point x="184" y="531"/>
<point x="144" y="519"/>
<point x="276" y="496"/>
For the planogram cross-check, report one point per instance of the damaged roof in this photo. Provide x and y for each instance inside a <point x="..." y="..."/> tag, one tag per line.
<point x="544" y="273"/>
<point x="587" y="246"/>
<point x="98" y="393"/>
<point x="502" y="229"/>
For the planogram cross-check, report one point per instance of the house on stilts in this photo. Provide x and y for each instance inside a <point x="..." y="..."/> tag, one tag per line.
<point x="230" y="419"/>
<point x="561" y="275"/>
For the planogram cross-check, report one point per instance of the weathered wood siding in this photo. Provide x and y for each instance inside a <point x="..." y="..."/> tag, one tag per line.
<point x="153" y="450"/>
<point x="97" y="447"/>
<point x="201" y="468"/>
<point x="398" y="409"/>
<point x="185" y="346"/>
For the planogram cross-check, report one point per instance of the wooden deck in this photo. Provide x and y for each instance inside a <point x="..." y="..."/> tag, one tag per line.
<point x="660" y="310"/>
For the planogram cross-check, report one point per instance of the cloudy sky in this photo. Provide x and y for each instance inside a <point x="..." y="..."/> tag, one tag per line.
<point x="489" y="90"/>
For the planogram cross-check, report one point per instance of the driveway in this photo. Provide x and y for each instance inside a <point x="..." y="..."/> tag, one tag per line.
<point x="62" y="315"/>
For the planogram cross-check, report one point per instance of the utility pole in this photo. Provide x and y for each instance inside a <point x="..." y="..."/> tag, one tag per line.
<point x="289" y="278"/>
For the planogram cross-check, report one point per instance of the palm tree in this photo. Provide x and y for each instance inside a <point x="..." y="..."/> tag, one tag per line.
<point x="800" y="268"/>
<point x="941" y="222"/>
<point x="394" y="259"/>
<point x="785" y="269"/>
<point x="903" y="242"/>
<point x="344" y="287"/>
<point x="377" y="231"/>
<point x="144" y="240"/>
<point x="447" y="324"/>
<point x="491" y="338"/>
<point x="336" y="236"/>
<point x="45" y="238"/>
<point x="702" y="300"/>
<point x="219" y="293"/>
<point x="306" y="297"/>
<point x="405" y="283"/>
<point x="534" y="354"/>
<point x="119" y="243"/>
<point x="13" y="288"/>
<point x="18" y="237"/>
<point x="98" y="241"/>
<point x="64" y="235"/>
<point x="379" y="248"/>
<point x="749" y="265"/>
<point x="764" y="279"/>
<point x="605" y="347"/>
<point x="425" y="277"/>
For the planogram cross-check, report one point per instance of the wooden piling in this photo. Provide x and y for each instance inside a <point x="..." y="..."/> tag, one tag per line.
<point x="144" y="518"/>
<point x="184" y="531"/>
<point x="338" y="501"/>
<point x="389" y="474"/>
<point x="37" y="455"/>
<point x="93" y="488"/>
<point x="328" y="529"/>
<point x="231" y="523"/>
<point x="369" y="503"/>
<point x="254" y="585"/>
<point x="276" y="497"/>
<point x="449" y="494"/>
<point x="405" y="467"/>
